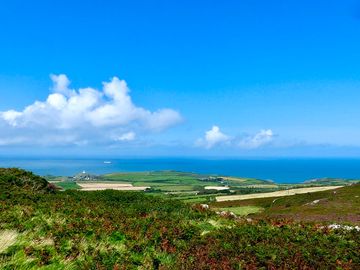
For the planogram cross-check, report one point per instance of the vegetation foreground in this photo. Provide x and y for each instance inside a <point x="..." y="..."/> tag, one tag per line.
<point x="41" y="227"/>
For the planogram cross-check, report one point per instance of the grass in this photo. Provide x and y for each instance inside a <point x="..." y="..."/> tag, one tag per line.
<point x="195" y="199"/>
<point x="182" y="181"/>
<point x="165" y="181"/>
<point x="131" y="230"/>
<point x="240" y="181"/>
<point x="111" y="229"/>
<point x="7" y="239"/>
<point x="281" y="193"/>
<point x="65" y="185"/>
<point x="332" y="181"/>
<point x="242" y="210"/>
<point x="174" y="182"/>
<point x="156" y="177"/>
<point x="341" y="205"/>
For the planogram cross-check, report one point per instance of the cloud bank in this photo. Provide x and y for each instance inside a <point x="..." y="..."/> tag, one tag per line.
<point x="215" y="137"/>
<point x="83" y="116"/>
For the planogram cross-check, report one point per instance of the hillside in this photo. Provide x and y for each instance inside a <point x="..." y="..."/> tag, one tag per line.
<point x="331" y="181"/>
<point x="339" y="205"/>
<point x="131" y="230"/>
<point x="12" y="179"/>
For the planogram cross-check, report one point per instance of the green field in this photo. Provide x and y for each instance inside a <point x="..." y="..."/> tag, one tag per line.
<point x="173" y="181"/>
<point x="190" y="187"/>
<point x="166" y="181"/>
<point x="180" y="178"/>
<point x="65" y="185"/>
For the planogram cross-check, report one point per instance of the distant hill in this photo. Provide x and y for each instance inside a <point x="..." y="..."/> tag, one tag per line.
<point x="331" y="181"/>
<point x="18" y="179"/>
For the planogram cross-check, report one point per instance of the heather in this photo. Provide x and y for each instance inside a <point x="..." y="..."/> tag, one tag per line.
<point x="50" y="229"/>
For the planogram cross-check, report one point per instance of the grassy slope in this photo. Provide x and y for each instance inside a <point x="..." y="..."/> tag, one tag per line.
<point x="241" y="210"/>
<point x="128" y="230"/>
<point x="76" y="230"/>
<point x="342" y="206"/>
<point x="65" y="185"/>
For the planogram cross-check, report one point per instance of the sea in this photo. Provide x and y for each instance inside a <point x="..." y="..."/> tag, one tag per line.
<point x="294" y="170"/>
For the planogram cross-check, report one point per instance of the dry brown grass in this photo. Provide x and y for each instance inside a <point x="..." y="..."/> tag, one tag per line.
<point x="281" y="193"/>
<point x="216" y="187"/>
<point x="7" y="239"/>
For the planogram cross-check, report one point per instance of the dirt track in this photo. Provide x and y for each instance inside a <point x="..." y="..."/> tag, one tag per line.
<point x="103" y="186"/>
<point x="281" y="193"/>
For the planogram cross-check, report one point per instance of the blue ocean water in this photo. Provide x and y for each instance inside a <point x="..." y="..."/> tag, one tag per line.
<point x="277" y="170"/>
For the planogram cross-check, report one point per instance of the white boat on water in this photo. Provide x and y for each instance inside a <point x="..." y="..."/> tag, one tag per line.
<point x="107" y="162"/>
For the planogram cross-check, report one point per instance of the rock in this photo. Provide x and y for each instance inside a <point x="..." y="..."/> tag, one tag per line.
<point x="344" y="227"/>
<point x="227" y="214"/>
<point x="315" y="202"/>
<point x="231" y="214"/>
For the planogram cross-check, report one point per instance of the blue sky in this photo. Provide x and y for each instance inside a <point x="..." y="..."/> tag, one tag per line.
<point x="237" y="78"/>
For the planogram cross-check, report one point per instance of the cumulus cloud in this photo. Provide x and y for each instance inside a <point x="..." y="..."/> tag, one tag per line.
<point x="83" y="116"/>
<point x="61" y="84"/>
<point x="213" y="137"/>
<point x="257" y="140"/>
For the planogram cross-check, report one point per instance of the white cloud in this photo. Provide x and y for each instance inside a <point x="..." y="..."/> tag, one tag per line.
<point x="265" y="136"/>
<point x="163" y="117"/>
<point x="12" y="141"/>
<point x="213" y="137"/>
<point x="85" y="115"/>
<point x="57" y="101"/>
<point x="129" y="136"/>
<point x="10" y="117"/>
<point x="61" y="84"/>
